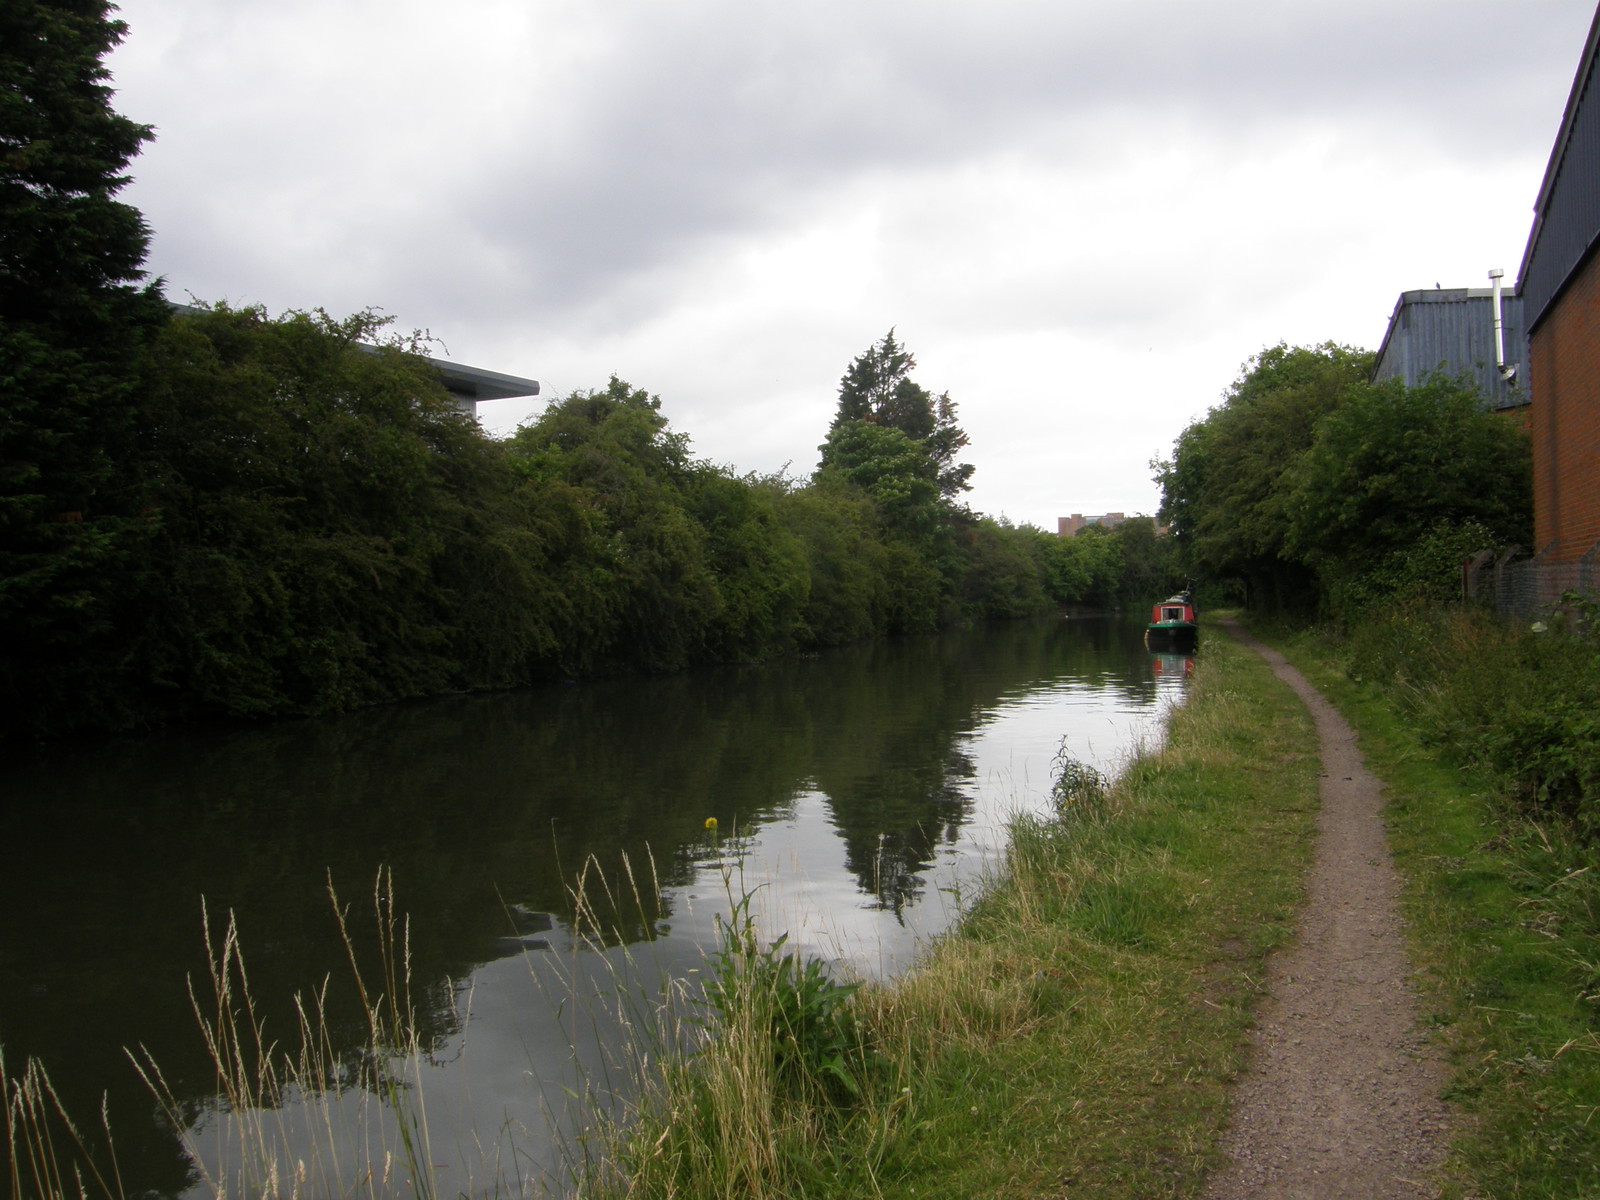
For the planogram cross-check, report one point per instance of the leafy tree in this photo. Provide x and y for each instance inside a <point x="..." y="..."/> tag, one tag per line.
<point x="758" y="565"/>
<point x="1097" y="555"/>
<point x="328" y="530"/>
<point x="1000" y="577"/>
<point x="1310" y="484"/>
<point x="72" y="324"/>
<point x="839" y="529"/>
<point x="1149" y="564"/>
<point x="1064" y="573"/>
<point x="1225" y="490"/>
<point x="896" y="442"/>
<point x="890" y="467"/>
<point x="1394" y="466"/>
<point x="645" y="555"/>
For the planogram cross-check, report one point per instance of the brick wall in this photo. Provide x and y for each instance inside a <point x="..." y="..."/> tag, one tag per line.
<point x="1564" y="362"/>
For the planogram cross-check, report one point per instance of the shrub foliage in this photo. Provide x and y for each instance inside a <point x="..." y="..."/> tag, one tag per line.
<point x="1310" y="486"/>
<point x="314" y="527"/>
<point x="1519" y="701"/>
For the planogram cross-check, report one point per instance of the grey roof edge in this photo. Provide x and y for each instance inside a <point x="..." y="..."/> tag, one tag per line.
<point x="1448" y="295"/>
<point x="1383" y="346"/>
<point x="482" y="384"/>
<point x="1558" y="151"/>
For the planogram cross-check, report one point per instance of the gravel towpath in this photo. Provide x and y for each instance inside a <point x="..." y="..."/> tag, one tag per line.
<point x="1341" y="1098"/>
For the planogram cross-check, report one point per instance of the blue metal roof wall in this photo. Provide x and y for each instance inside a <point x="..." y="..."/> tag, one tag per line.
<point x="1567" y="216"/>
<point x="1452" y="330"/>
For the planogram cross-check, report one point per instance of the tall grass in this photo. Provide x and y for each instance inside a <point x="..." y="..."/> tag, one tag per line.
<point x="291" y="1119"/>
<point x="1074" y="1033"/>
<point x="48" y="1154"/>
<point x="746" y="1078"/>
<point x="303" y="1119"/>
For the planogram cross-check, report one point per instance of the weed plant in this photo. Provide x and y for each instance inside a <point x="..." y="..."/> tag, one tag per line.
<point x="1484" y="732"/>
<point x="819" y="1055"/>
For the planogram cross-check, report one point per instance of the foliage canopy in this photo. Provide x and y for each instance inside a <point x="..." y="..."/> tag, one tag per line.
<point x="1311" y="485"/>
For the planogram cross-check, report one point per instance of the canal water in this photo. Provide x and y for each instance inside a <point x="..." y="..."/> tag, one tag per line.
<point x="860" y="796"/>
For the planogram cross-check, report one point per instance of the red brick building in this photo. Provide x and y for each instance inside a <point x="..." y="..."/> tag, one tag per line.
<point x="1560" y="288"/>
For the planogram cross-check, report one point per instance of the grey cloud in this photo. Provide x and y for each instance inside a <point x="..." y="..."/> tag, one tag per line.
<point x="713" y="119"/>
<point x="575" y="191"/>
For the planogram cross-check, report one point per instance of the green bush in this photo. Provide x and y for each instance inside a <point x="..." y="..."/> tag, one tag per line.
<point x="1523" y="701"/>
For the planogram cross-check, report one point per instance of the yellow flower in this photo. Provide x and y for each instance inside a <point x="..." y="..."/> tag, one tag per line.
<point x="711" y="822"/>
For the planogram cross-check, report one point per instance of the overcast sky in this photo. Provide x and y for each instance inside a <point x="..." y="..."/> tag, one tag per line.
<point x="1082" y="218"/>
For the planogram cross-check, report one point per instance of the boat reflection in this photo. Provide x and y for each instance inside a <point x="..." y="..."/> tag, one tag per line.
<point x="1171" y="667"/>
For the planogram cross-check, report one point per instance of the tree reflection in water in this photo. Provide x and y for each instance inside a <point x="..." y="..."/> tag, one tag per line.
<point x="487" y="809"/>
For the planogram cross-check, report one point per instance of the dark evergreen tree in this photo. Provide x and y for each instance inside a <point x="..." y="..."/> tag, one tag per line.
<point x="878" y="390"/>
<point x="945" y="442"/>
<point x="868" y="391"/>
<point x="73" y="319"/>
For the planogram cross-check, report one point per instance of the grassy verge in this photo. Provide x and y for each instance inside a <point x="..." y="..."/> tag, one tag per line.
<point x="1504" y="907"/>
<point x="1076" y="1033"/>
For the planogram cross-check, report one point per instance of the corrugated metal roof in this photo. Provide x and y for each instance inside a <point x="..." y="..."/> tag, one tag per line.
<point x="1451" y="330"/>
<point x="1566" y="218"/>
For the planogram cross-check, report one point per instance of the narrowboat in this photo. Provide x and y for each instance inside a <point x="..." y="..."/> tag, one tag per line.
<point x="1173" y="624"/>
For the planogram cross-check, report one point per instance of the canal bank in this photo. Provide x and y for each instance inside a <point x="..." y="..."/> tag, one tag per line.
<point x="1077" y="1032"/>
<point x="1080" y="1034"/>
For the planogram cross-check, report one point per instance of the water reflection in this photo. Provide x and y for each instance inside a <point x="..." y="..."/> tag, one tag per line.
<point x="866" y="785"/>
<point x="1172" y="666"/>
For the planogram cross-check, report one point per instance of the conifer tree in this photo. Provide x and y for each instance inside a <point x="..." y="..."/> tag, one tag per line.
<point x="73" y="317"/>
<point x="878" y="390"/>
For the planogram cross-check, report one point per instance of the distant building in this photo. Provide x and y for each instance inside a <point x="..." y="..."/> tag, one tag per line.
<point x="1559" y="284"/>
<point x="1069" y="526"/>
<point x="1451" y="331"/>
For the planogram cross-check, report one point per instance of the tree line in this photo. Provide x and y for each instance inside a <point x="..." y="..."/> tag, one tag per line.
<point x="1312" y="489"/>
<point x="294" y="518"/>
<point x="223" y="513"/>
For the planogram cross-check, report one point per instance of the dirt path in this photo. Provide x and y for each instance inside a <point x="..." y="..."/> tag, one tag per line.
<point x="1341" y="1098"/>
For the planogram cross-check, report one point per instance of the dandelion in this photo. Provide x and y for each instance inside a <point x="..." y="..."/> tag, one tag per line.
<point x="711" y="823"/>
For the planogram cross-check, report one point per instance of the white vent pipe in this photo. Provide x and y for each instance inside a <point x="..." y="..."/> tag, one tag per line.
<point x="1506" y="373"/>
